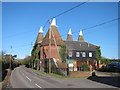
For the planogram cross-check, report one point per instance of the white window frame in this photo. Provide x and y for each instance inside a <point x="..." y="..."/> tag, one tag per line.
<point x="83" y="54"/>
<point x="77" y="54"/>
<point x="70" y="54"/>
<point x="90" y="54"/>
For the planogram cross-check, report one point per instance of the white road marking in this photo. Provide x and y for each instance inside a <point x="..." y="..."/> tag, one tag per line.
<point x="28" y="78"/>
<point x="38" y="86"/>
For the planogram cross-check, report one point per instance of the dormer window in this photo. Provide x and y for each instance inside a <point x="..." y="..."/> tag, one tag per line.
<point x="80" y="44"/>
<point x="83" y="54"/>
<point x="90" y="54"/>
<point x="77" y="54"/>
<point x="88" y="44"/>
<point x="70" y="54"/>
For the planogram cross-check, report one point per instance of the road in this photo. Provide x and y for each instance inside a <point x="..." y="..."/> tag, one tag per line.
<point x="98" y="73"/>
<point x="22" y="77"/>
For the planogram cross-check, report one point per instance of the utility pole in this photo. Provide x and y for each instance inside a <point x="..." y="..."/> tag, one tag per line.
<point x="50" y="46"/>
<point x="55" y="44"/>
<point x="10" y="57"/>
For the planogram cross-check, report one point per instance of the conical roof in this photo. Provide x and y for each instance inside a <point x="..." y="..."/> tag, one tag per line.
<point x="53" y="22"/>
<point x="41" y="30"/>
<point x="70" y="31"/>
<point x="40" y="36"/>
<point x="53" y="32"/>
<point x="80" y="33"/>
<point x="80" y="37"/>
<point x="69" y="36"/>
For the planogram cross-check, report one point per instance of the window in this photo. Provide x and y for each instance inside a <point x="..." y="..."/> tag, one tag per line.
<point x="77" y="54"/>
<point x="83" y="54"/>
<point x="80" y="44"/>
<point x="70" y="54"/>
<point x="90" y="54"/>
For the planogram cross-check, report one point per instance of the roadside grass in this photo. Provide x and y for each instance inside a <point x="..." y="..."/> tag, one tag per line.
<point x="1" y="82"/>
<point x="1" y="85"/>
<point x="8" y="69"/>
<point x="59" y="76"/>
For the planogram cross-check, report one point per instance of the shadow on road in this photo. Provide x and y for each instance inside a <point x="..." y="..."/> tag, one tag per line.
<point x="109" y="80"/>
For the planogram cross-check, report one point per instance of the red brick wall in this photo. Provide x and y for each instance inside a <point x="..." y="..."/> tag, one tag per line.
<point x="89" y="63"/>
<point x="80" y="63"/>
<point x="44" y="52"/>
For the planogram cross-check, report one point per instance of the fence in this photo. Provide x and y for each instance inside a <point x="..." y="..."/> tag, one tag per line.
<point x="54" y="68"/>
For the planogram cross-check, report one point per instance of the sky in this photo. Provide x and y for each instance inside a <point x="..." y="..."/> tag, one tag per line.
<point x="21" y="22"/>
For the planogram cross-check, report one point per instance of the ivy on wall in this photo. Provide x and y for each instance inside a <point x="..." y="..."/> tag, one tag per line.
<point x="35" y="56"/>
<point x="63" y="52"/>
<point x="32" y="54"/>
<point x="35" y="53"/>
<point x="98" y="53"/>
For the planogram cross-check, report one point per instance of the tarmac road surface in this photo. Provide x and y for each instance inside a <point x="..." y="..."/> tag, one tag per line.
<point x="22" y="77"/>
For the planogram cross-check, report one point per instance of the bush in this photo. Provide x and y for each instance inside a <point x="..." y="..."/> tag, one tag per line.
<point x="86" y="67"/>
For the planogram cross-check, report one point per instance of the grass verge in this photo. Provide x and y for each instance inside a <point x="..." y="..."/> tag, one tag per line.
<point x="1" y="82"/>
<point x="59" y="76"/>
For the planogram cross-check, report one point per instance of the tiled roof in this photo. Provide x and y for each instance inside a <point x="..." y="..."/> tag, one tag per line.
<point x="69" y="37"/>
<point x="56" y="34"/>
<point x="39" y="38"/>
<point x="79" y="45"/>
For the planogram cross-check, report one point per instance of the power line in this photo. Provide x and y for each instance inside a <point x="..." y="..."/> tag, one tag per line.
<point x="97" y="25"/>
<point x="84" y="28"/>
<point x="52" y="18"/>
<point x="47" y="22"/>
<point x="101" y="24"/>
<point x="69" y="10"/>
<point x="88" y="27"/>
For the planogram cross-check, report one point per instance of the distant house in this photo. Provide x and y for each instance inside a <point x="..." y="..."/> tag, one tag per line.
<point x="78" y="52"/>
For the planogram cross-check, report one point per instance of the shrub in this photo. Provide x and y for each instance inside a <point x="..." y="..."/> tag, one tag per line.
<point x="86" y="67"/>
